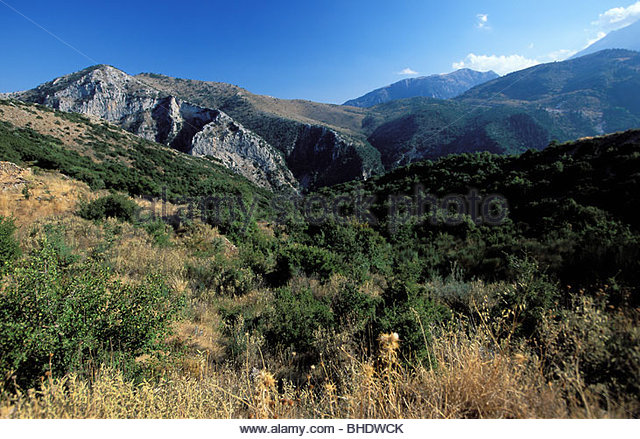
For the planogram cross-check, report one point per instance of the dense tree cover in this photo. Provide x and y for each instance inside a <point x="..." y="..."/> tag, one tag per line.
<point x="570" y="206"/>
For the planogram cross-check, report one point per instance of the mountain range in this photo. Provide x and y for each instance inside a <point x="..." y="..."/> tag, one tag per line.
<point x="444" y="86"/>
<point x="297" y="145"/>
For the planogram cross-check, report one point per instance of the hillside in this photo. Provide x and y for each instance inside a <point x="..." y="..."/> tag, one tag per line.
<point x="587" y="186"/>
<point x="597" y="93"/>
<point x="256" y="141"/>
<point x="105" y="156"/>
<point x="292" y="144"/>
<point x="414" y="129"/>
<point x="626" y="38"/>
<point x="445" y="86"/>
<point x="534" y="315"/>
<point x="561" y="101"/>
<point x="108" y="93"/>
<point x="322" y="143"/>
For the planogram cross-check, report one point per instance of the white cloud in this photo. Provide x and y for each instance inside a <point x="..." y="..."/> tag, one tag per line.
<point x="500" y="64"/>
<point x="597" y="38"/>
<point x="617" y="18"/>
<point x="483" y="21"/>
<point x="560" y="55"/>
<point x="503" y="64"/>
<point x="407" y="71"/>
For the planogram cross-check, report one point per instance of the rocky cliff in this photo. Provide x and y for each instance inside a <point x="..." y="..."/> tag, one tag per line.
<point x="108" y="93"/>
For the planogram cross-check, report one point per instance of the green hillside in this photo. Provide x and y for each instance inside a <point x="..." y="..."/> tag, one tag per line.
<point x="561" y="101"/>
<point x="570" y="206"/>
<point x="105" y="156"/>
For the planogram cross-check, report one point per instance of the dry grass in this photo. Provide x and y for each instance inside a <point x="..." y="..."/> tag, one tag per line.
<point x="470" y="381"/>
<point x="28" y="197"/>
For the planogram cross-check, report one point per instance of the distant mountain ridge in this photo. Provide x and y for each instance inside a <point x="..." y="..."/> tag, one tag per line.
<point x="591" y="95"/>
<point x="445" y="86"/>
<point x="588" y="96"/>
<point x="626" y="38"/>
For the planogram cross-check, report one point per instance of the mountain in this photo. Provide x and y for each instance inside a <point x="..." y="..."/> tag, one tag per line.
<point x="105" y="156"/>
<point x="323" y="144"/>
<point x="625" y="38"/>
<point x="190" y="117"/>
<point x="110" y="94"/>
<point x="594" y="94"/>
<point x="301" y="145"/>
<point x="562" y="101"/>
<point x="444" y="86"/>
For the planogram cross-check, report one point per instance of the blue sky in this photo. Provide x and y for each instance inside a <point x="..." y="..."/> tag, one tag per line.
<point x="327" y="51"/>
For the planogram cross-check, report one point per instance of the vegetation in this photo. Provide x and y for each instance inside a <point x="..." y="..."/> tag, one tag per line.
<point x="110" y="206"/>
<point x="9" y="247"/>
<point x="128" y="164"/>
<point x="401" y="317"/>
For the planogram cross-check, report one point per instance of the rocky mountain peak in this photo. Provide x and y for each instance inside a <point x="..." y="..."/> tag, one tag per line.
<point x="109" y="93"/>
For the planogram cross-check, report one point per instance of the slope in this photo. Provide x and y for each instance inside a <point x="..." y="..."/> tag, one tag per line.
<point x="105" y="156"/>
<point x="626" y="38"/>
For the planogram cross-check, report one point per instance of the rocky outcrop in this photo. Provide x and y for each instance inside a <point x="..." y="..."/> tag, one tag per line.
<point x="322" y="157"/>
<point x="241" y="151"/>
<point x="108" y="93"/>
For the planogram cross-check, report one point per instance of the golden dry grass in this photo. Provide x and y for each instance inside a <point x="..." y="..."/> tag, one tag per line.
<point x="28" y="197"/>
<point x="469" y="382"/>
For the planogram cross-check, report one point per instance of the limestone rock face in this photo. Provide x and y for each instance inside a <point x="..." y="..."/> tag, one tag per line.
<point x="110" y="94"/>
<point x="241" y="151"/>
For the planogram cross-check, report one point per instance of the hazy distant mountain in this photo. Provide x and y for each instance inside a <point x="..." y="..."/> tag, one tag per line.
<point x="625" y="38"/>
<point x="445" y="86"/>
<point x="592" y="95"/>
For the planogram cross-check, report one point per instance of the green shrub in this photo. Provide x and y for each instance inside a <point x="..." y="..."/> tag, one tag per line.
<point x="110" y="206"/>
<point x="528" y="299"/>
<point x="295" y="318"/>
<point x="408" y="310"/>
<point x="59" y="320"/>
<point x="308" y="259"/>
<point x="9" y="248"/>
<point x="219" y="276"/>
<point x="159" y="231"/>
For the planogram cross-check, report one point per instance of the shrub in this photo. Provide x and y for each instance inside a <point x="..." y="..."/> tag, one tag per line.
<point x="110" y="206"/>
<point x="409" y="311"/>
<point x="9" y="248"/>
<point x="159" y="231"/>
<point x="55" y="320"/>
<point x="527" y="300"/>
<point x="295" y="318"/>
<point x="308" y="259"/>
<point x="219" y="276"/>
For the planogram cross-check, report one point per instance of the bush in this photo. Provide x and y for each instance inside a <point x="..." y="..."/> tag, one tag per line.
<point x="111" y="206"/>
<point x="310" y="260"/>
<point x="295" y="318"/>
<point x="159" y="231"/>
<point x="408" y="310"/>
<point x="55" y="320"/>
<point x="9" y="248"/>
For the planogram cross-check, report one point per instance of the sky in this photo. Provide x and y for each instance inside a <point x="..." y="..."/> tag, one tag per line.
<point x="325" y="51"/>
